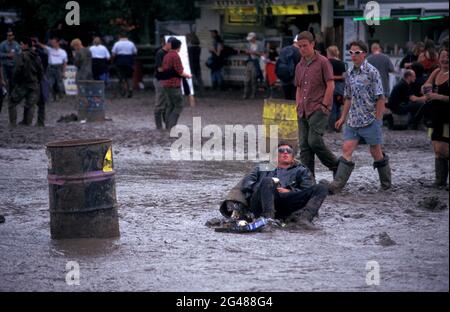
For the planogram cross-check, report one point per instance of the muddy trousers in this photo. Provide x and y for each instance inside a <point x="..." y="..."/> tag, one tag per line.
<point x="55" y="77"/>
<point x="251" y="81"/>
<point x="31" y="96"/>
<point x="311" y="131"/>
<point x="160" y="104"/>
<point x="40" y="114"/>
<point x="8" y="79"/>
<point x="174" y="106"/>
<point x="266" y="201"/>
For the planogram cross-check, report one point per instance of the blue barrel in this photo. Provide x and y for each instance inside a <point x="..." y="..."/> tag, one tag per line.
<point x="92" y="100"/>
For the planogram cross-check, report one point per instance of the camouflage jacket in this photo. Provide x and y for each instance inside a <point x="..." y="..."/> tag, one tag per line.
<point x="28" y="70"/>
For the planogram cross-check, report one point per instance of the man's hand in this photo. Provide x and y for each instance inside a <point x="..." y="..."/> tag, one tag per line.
<point x="339" y="123"/>
<point x="283" y="190"/>
<point x="11" y="55"/>
<point x="188" y="76"/>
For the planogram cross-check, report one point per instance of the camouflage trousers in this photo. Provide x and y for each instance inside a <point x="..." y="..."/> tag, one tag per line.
<point x="31" y="96"/>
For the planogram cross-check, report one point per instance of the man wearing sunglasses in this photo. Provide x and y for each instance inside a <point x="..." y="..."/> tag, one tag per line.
<point x="364" y="106"/>
<point x="292" y="196"/>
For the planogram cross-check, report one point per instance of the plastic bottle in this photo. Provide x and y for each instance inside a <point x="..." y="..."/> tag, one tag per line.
<point x="257" y="224"/>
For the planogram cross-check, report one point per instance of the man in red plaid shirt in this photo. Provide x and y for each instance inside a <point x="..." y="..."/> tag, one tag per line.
<point x="172" y="86"/>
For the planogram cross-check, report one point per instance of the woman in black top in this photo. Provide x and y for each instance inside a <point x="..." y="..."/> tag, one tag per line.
<point x="339" y="84"/>
<point x="436" y="91"/>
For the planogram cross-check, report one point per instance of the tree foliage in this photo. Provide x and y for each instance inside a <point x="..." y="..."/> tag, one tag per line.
<point x="98" y="15"/>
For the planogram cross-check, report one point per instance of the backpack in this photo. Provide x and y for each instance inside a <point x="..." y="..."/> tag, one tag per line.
<point x="285" y="65"/>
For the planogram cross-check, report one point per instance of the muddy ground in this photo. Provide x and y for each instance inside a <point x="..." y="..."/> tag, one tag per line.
<point x="164" y="204"/>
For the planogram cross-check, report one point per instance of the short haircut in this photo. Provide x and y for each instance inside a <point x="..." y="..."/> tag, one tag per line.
<point x="28" y="41"/>
<point x="97" y="41"/>
<point x="76" y="42"/>
<point x="359" y="44"/>
<point x="176" y="44"/>
<point x="333" y="51"/>
<point x="408" y="73"/>
<point x="305" y="35"/>
<point x="171" y="39"/>
<point x="376" y="45"/>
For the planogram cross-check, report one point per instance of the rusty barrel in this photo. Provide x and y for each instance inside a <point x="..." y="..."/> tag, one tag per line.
<point x="91" y="100"/>
<point x="82" y="189"/>
<point x="282" y="113"/>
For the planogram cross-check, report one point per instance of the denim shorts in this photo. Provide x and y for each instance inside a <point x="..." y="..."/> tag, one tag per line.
<point x="370" y="134"/>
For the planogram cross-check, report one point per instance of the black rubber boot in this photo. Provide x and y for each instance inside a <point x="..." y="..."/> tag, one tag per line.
<point x="441" y="172"/>
<point x="12" y="111"/>
<point x="24" y="119"/>
<point x="304" y="216"/>
<point x="305" y="221"/>
<point x="28" y="115"/>
<point x="172" y="120"/>
<point x="341" y="177"/>
<point x="384" y="172"/>
<point x="158" y="120"/>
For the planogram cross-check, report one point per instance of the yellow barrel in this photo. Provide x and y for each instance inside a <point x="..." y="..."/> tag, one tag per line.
<point x="282" y="113"/>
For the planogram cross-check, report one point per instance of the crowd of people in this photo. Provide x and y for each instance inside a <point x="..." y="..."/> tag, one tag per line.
<point x="326" y="92"/>
<point x="290" y="192"/>
<point x="34" y="71"/>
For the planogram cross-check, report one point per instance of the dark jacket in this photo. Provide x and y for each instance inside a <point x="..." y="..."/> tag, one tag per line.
<point x="298" y="178"/>
<point x="28" y="70"/>
<point x="242" y="191"/>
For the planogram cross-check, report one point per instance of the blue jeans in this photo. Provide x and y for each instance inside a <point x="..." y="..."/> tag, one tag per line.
<point x="217" y="78"/>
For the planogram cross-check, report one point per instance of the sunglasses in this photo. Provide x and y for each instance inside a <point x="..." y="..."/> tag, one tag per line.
<point x="283" y="150"/>
<point x="355" y="52"/>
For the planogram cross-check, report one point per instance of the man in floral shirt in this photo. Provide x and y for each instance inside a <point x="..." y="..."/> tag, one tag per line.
<point x="364" y="105"/>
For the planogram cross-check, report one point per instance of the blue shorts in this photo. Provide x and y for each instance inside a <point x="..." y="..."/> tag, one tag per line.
<point x="370" y="134"/>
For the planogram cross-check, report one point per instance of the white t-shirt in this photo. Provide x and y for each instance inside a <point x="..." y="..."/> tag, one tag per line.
<point x="100" y="52"/>
<point x="56" y="56"/>
<point x="124" y="47"/>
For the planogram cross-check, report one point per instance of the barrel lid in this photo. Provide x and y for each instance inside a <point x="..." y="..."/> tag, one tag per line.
<point x="72" y="143"/>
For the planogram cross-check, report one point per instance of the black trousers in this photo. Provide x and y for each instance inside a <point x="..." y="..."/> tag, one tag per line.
<point x="267" y="199"/>
<point x="289" y="91"/>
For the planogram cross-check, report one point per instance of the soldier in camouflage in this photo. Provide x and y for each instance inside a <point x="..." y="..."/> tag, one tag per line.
<point x="27" y="76"/>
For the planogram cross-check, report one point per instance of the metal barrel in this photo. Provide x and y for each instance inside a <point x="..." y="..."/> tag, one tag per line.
<point x="82" y="189"/>
<point x="282" y="113"/>
<point x="91" y="100"/>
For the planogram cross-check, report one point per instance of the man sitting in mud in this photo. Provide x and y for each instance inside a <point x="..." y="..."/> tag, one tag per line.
<point x="287" y="193"/>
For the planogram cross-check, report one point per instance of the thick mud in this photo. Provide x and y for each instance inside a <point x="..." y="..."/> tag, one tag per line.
<point x="164" y="204"/>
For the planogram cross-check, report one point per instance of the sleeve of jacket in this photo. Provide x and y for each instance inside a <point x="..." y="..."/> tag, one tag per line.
<point x="304" y="178"/>
<point x="250" y="180"/>
<point x="18" y="69"/>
